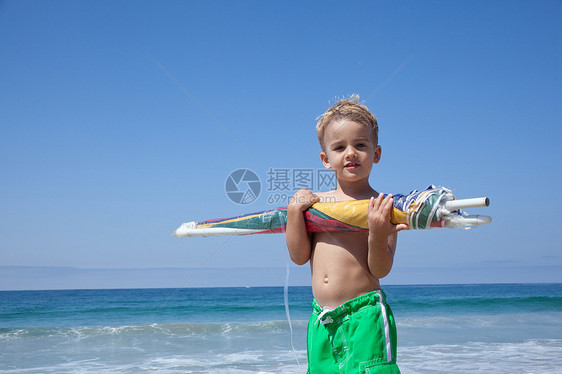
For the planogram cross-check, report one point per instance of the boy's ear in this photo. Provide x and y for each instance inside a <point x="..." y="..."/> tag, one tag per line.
<point x="325" y="161"/>
<point x="377" y="154"/>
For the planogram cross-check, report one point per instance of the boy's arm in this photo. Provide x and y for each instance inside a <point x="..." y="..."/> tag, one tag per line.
<point x="382" y="236"/>
<point x="298" y="240"/>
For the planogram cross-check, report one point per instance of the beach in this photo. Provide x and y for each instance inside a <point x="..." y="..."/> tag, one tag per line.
<point x="500" y="328"/>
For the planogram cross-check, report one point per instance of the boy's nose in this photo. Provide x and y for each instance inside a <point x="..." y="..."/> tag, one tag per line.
<point x="350" y="152"/>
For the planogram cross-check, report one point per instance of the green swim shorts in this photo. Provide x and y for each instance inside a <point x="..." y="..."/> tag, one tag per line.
<point x="358" y="336"/>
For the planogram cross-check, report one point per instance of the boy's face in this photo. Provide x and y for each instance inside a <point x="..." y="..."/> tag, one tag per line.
<point x="350" y="150"/>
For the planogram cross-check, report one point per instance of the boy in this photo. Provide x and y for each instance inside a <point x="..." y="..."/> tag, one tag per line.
<point x="351" y="329"/>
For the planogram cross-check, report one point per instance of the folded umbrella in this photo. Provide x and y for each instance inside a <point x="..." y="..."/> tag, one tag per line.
<point x="429" y="208"/>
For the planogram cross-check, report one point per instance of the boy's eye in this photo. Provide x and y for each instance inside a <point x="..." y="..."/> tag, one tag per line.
<point x="360" y="145"/>
<point x="338" y="148"/>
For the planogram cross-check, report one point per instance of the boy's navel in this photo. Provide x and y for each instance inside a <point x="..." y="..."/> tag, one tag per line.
<point x="326" y="279"/>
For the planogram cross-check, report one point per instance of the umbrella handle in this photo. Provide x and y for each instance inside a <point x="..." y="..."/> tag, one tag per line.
<point x="477" y="202"/>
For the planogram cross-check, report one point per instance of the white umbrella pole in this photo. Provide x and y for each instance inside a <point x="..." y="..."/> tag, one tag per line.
<point x="467" y="203"/>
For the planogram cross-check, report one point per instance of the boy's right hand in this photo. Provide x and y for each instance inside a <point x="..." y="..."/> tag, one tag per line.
<point x="302" y="200"/>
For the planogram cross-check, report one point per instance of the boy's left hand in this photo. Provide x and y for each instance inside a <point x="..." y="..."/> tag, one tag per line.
<point x="379" y="214"/>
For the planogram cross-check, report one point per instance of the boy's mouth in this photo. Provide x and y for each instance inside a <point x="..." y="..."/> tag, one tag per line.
<point x="352" y="165"/>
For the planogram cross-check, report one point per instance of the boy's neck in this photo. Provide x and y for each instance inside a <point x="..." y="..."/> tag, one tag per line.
<point x="356" y="190"/>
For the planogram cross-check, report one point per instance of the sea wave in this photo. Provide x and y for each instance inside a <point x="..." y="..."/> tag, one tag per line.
<point x="169" y="329"/>
<point x="530" y="356"/>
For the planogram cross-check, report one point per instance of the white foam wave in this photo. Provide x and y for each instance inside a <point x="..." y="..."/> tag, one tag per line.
<point x="532" y="356"/>
<point x="259" y="361"/>
<point x="264" y="347"/>
<point x="170" y="329"/>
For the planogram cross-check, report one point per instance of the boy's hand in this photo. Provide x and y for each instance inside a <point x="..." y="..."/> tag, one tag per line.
<point x="378" y="215"/>
<point x="302" y="200"/>
<point x="382" y="235"/>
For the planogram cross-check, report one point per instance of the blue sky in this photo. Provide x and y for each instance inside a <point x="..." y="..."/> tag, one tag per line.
<point x="119" y="120"/>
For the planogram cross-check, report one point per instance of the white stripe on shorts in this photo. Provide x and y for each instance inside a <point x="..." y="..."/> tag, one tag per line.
<point x="386" y="328"/>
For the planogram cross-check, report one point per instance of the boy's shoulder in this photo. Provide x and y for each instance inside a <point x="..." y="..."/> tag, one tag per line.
<point x="327" y="196"/>
<point x="324" y="193"/>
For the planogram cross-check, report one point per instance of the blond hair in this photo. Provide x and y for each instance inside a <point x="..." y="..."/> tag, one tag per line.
<point x="347" y="109"/>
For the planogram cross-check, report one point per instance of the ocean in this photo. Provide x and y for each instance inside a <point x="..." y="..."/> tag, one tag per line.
<point x="499" y="328"/>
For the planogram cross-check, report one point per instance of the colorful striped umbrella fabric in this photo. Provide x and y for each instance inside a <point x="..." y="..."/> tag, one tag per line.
<point x="429" y="208"/>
